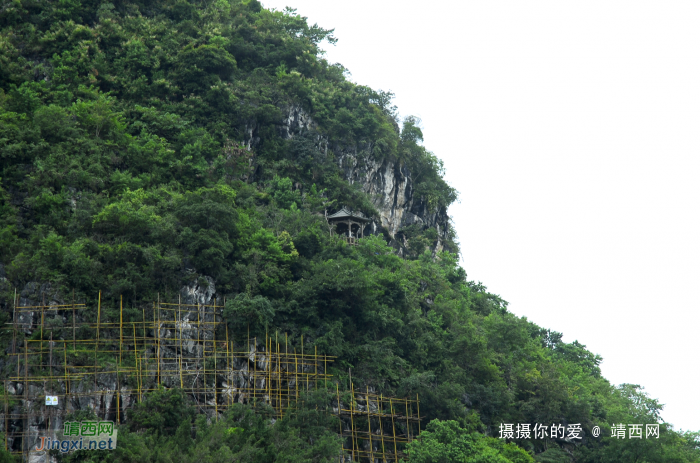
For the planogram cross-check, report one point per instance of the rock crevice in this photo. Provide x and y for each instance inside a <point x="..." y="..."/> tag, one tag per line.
<point x="389" y="183"/>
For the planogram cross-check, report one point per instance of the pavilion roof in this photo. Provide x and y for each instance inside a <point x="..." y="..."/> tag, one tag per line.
<point x="345" y="213"/>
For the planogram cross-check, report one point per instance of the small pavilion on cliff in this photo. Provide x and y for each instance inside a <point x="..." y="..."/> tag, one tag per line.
<point x="349" y="224"/>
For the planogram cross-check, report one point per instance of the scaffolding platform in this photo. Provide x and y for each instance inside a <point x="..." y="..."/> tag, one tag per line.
<point x="92" y="360"/>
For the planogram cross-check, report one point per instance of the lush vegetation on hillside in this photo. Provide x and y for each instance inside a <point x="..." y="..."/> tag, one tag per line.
<point x="141" y="147"/>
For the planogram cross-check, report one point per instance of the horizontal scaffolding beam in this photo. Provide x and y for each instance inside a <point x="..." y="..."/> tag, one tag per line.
<point x="109" y="365"/>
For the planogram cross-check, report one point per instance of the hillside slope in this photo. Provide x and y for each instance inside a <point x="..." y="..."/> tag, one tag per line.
<point x="151" y="147"/>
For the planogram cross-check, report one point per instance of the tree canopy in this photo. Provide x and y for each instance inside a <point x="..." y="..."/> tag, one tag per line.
<point x="142" y="147"/>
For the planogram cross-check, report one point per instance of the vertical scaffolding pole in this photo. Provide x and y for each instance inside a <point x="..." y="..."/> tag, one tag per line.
<point x="199" y="328"/>
<point x="247" y="362"/>
<point x="14" y="333"/>
<point x="73" y="319"/>
<point x="204" y="352"/>
<point x="161" y="346"/>
<point x="136" y="363"/>
<point x="369" y="426"/>
<point x="408" y="426"/>
<point x="296" y="374"/>
<point x="160" y="352"/>
<point x="381" y="427"/>
<point x="14" y="330"/>
<point x="6" y="427"/>
<point x="352" y="422"/>
<point x="143" y="329"/>
<point x="228" y="366"/>
<point x="65" y="369"/>
<point x="157" y="338"/>
<point x="302" y="363"/>
<point x="418" y="407"/>
<point x="279" y="378"/>
<point x="179" y="316"/>
<point x="393" y="430"/>
<point x="216" y="403"/>
<point x="143" y="314"/>
<point x="121" y="337"/>
<point x="118" y="394"/>
<point x="276" y="391"/>
<point x="286" y="365"/>
<point x="14" y="320"/>
<point x="97" y="335"/>
<point x="139" y="378"/>
<point x="99" y="305"/>
<point x="95" y="373"/>
<point x="268" y="350"/>
<point x="50" y="362"/>
<point x="340" y="421"/>
<point x="26" y="395"/>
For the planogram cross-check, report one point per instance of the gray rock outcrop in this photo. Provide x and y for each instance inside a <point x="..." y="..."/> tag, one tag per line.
<point x="388" y="183"/>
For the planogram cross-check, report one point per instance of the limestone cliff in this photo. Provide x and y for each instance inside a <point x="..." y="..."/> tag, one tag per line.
<point x="390" y="186"/>
<point x="182" y="334"/>
<point x="388" y="183"/>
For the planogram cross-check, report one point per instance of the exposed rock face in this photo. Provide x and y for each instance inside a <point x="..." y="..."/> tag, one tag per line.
<point x="296" y="122"/>
<point x="182" y="340"/>
<point x="388" y="183"/>
<point x="34" y="294"/>
<point x="196" y="293"/>
<point x="390" y="186"/>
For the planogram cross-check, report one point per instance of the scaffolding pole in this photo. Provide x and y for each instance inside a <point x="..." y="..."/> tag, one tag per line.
<point x="281" y="372"/>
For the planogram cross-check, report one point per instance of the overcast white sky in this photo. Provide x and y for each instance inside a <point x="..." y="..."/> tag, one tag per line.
<point x="571" y="130"/>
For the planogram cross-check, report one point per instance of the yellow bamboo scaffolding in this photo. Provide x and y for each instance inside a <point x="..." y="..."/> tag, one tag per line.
<point x="121" y="324"/>
<point x="369" y="425"/>
<point x="7" y="403"/>
<point x="381" y="428"/>
<point x="393" y="428"/>
<point x="276" y="376"/>
<point x="65" y="369"/>
<point x="99" y="305"/>
<point x="179" y="316"/>
<point x="353" y="436"/>
<point x="216" y="406"/>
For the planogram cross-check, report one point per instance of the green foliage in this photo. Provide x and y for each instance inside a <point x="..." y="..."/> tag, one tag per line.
<point x="248" y="315"/>
<point x="630" y="404"/>
<point x="5" y="456"/>
<point x="284" y="196"/>
<point x="141" y="149"/>
<point x="446" y="442"/>
<point x="161" y="412"/>
<point x="172" y="433"/>
<point x="553" y="455"/>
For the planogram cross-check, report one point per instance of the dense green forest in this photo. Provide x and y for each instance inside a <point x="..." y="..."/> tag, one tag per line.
<point x="141" y="148"/>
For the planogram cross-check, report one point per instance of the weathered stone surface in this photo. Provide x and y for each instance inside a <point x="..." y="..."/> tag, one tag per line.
<point x="197" y="293"/>
<point x="388" y="183"/>
<point x="390" y="186"/>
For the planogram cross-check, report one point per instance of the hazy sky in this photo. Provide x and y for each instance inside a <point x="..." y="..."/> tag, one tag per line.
<point x="572" y="132"/>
